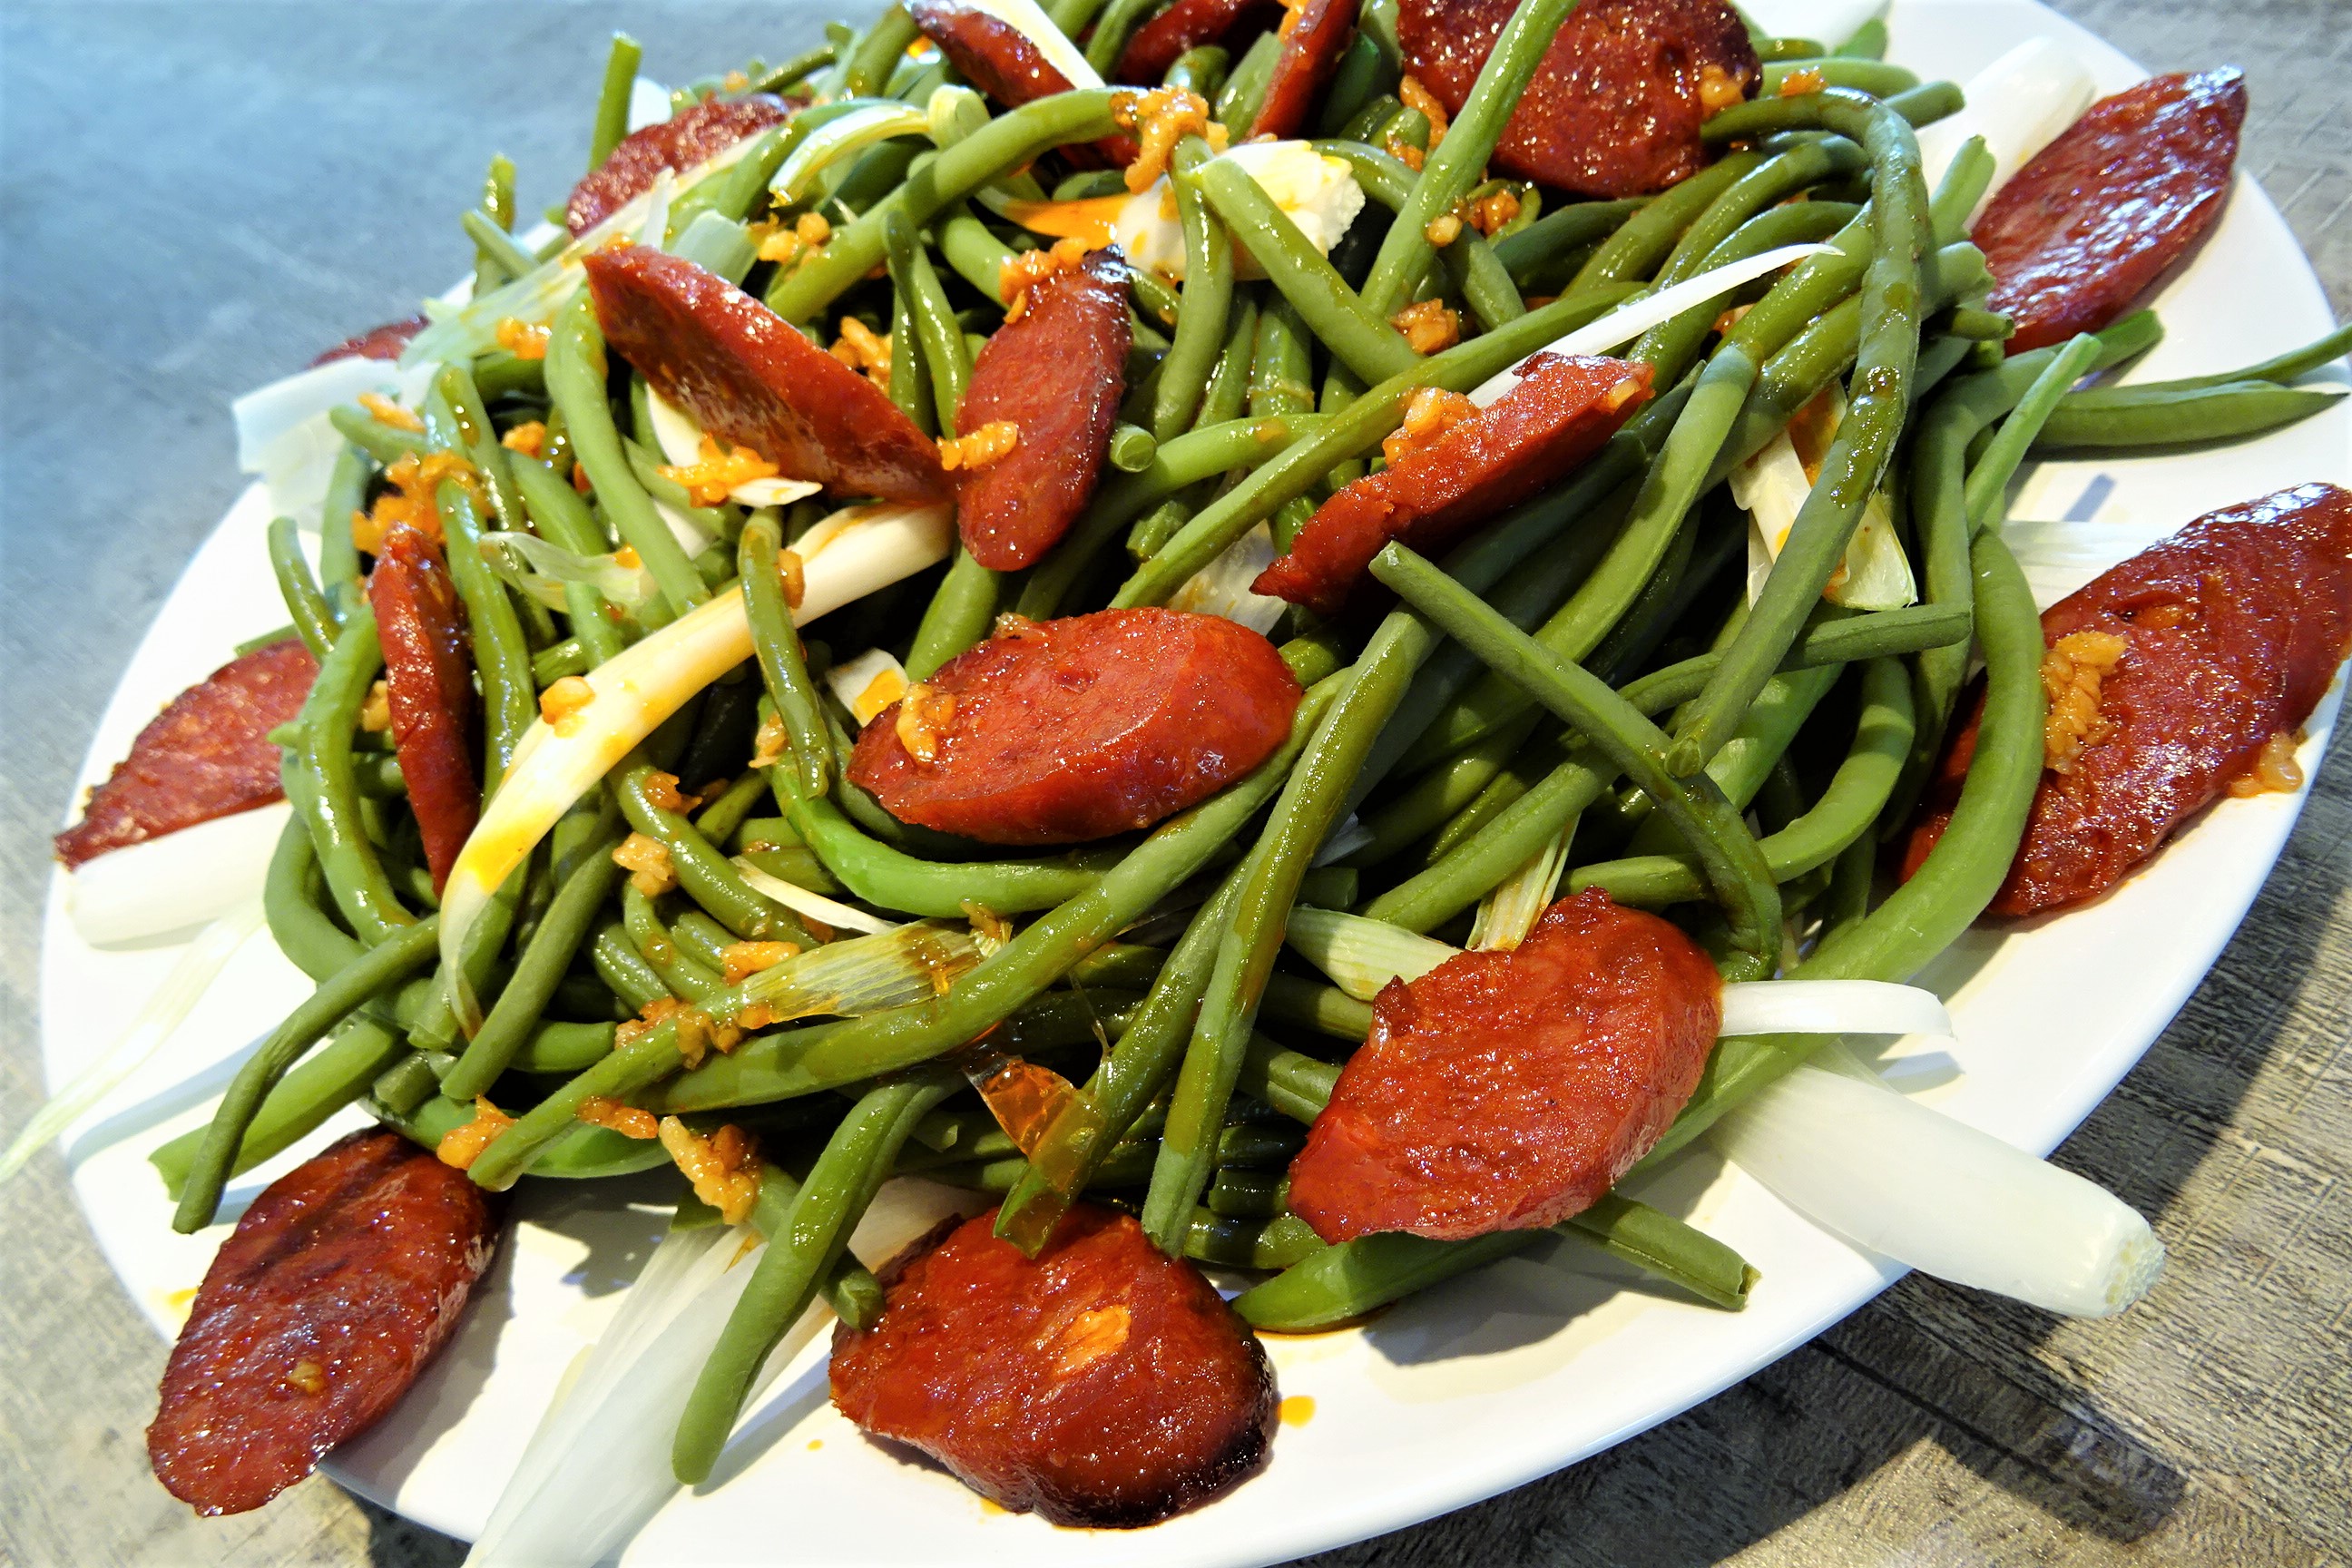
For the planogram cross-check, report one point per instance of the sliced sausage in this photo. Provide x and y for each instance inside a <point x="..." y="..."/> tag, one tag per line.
<point x="1510" y="1090"/>
<point x="1186" y="25"/>
<point x="747" y="376"/>
<point x="429" y="673"/>
<point x="336" y="1288"/>
<point x="1103" y="1384"/>
<point x="1001" y="61"/>
<point x="386" y="342"/>
<point x="1056" y="373"/>
<point x="2099" y="214"/>
<point x="1317" y="35"/>
<point x="2231" y="631"/>
<point x="207" y="755"/>
<point x="686" y="139"/>
<point x="1558" y="415"/>
<point x="1058" y="732"/>
<point x="1615" y="107"/>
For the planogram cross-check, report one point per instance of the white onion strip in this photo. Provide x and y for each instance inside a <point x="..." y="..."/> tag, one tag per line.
<point x="1832" y="1007"/>
<point x="803" y="901"/>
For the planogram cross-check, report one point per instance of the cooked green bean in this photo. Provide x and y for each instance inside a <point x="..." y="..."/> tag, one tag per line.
<point x="799" y="707"/>
<point x="2125" y="417"/>
<point x="612" y="121"/>
<point x="1987" y="487"/>
<point x="565" y="927"/>
<point x="314" y="619"/>
<point x="300" y="1103"/>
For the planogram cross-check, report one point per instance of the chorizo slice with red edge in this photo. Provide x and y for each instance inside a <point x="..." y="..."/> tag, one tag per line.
<point x="428" y="664"/>
<point x="747" y="376"/>
<point x="1007" y="65"/>
<point x="207" y="755"/>
<point x="386" y="342"/>
<point x="1558" y="414"/>
<point x="1060" y="732"/>
<point x="1510" y="1090"/>
<point x="334" y="1292"/>
<point x="1615" y="106"/>
<point x="1186" y="25"/>
<point x="2088" y="227"/>
<point x="1314" y="38"/>
<point x="1056" y="373"/>
<point x="2173" y="676"/>
<point x="687" y="138"/>
<point x="1103" y="1383"/>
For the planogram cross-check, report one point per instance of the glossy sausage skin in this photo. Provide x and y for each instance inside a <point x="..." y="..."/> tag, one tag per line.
<point x="429" y="673"/>
<point x="1103" y="1384"/>
<point x="2089" y="225"/>
<point x="1186" y="25"/>
<point x="999" y="59"/>
<point x="1057" y="372"/>
<point x="1555" y="418"/>
<point x="1616" y="104"/>
<point x="386" y="342"/>
<point x="2234" y="627"/>
<point x="747" y="376"/>
<point x="336" y="1288"/>
<point x="1069" y="730"/>
<point x="207" y="755"/>
<point x="670" y="145"/>
<point x="1509" y="1091"/>
<point x="1311" y="53"/>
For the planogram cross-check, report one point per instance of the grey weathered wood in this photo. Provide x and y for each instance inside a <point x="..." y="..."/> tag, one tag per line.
<point x="196" y="199"/>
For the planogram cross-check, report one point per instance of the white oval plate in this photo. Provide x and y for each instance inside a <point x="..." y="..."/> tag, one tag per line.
<point x="1480" y="1385"/>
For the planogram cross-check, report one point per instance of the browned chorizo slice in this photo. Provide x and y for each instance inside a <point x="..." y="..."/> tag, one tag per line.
<point x="1616" y="104"/>
<point x="386" y="342"/>
<point x="207" y="755"/>
<point x="686" y="139"/>
<point x="1056" y="373"/>
<point x="1157" y="44"/>
<point x="1314" y="36"/>
<point x="1103" y="1384"/>
<point x="2099" y="214"/>
<point x="1510" y="1090"/>
<point x="336" y="1288"/>
<point x="747" y="376"/>
<point x="2173" y="676"/>
<point x="1563" y="409"/>
<point x="429" y="673"/>
<point x="1001" y="61"/>
<point x="1058" y="732"/>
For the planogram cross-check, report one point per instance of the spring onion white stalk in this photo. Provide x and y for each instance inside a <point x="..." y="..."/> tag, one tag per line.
<point x="1772" y="486"/>
<point x="1893" y="1176"/>
<point x="795" y="179"/>
<point x="1506" y="915"/>
<point x="868" y="683"/>
<point x="2019" y="104"/>
<point x="283" y="434"/>
<point x="162" y="1013"/>
<point x="680" y="440"/>
<point x="846" y="557"/>
<point x="540" y="569"/>
<point x="176" y="881"/>
<point x="802" y="902"/>
<point x="1636" y="316"/>
<point x="1362" y="955"/>
<point x="866" y="974"/>
<point x="1222" y="588"/>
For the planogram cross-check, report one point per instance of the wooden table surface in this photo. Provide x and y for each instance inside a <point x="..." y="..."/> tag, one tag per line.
<point x="193" y="199"/>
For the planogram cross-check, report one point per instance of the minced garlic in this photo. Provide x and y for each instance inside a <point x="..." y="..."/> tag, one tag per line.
<point x="1415" y="96"/>
<point x="1160" y="119"/>
<point x="563" y="701"/>
<point x="307" y="1377"/>
<point x="862" y="349"/>
<point x="529" y="438"/>
<point x="924" y="715"/>
<point x="461" y="1145"/>
<point x="1429" y="413"/>
<point x="722" y="1166"/>
<point x="524" y="340"/>
<point x="788" y="246"/>
<point x="1428" y="327"/>
<point x="984" y="446"/>
<point x="1719" y="90"/>
<point x="385" y="411"/>
<point x="648" y="864"/>
<point x="742" y="960"/>
<point x="661" y="792"/>
<point x="375" y="713"/>
<point x="410" y="498"/>
<point x="794" y="571"/>
<point x="1024" y="270"/>
<point x="598" y="1111"/>
<point x="714" y="472"/>
<point x="2275" y="769"/>
<point x="1796" y="84"/>
<point x="2071" y="672"/>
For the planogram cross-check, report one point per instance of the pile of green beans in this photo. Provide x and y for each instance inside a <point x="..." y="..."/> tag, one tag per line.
<point x="1584" y="671"/>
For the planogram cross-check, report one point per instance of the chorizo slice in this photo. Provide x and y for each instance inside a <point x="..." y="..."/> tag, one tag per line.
<point x="1186" y="25"/>
<point x="747" y="376"/>
<point x="1103" y="1383"/>
<point x="1054" y="372"/>
<point x="386" y="342"/>
<point x="207" y="755"/>
<point x="1314" y="38"/>
<point x="1431" y="492"/>
<point x="687" y="138"/>
<point x="335" y="1289"/>
<point x="2089" y="225"/>
<point x="1002" y="62"/>
<point x="1615" y="107"/>
<point x="2172" y="677"/>
<point x="429" y="679"/>
<point x="1510" y="1090"/>
<point x="1060" y="732"/>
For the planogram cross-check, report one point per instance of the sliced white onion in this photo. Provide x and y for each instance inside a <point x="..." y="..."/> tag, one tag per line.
<point x="1316" y="191"/>
<point x="1832" y="1007"/>
<point x="1636" y="316"/>
<point x="795" y="179"/>
<point x="175" y="882"/>
<point x="1896" y="1177"/>
<point x="648" y="103"/>
<point x="1362" y="955"/>
<point x="2019" y="104"/>
<point x="867" y="548"/>
<point x="165" y="1009"/>
<point x="1222" y="587"/>
<point x="802" y="902"/>
<point x="283" y="434"/>
<point x="680" y="440"/>
<point x="1772" y="488"/>
<point x="868" y="683"/>
<point x="893" y="968"/>
<point x="1505" y="915"/>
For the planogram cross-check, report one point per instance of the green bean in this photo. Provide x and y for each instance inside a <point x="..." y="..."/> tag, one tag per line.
<point x="1769" y="49"/>
<point x="1987" y="493"/>
<point x="1743" y="763"/>
<point x="1006" y="142"/>
<point x="339" y="558"/>
<point x="719" y="821"/>
<point x="561" y="517"/>
<point x="1227" y="393"/>
<point x="1113" y="27"/>
<point x="501" y="657"/>
<point x="944" y="354"/>
<point x="1470" y="263"/>
<point x="1526" y="253"/>
<point x="1244" y="90"/>
<point x="299" y="1104"/>
<point x="1640" y="243"/>
<point x="1207" y="300"/>
<point x="2283" y="368"/>
<point x="702" y="872"/>
<point x="796" y="69"/>
<point x="892" y="880"/>
<point x="575" y="383"/>
<point x="1877" y="78"/>
<point x="702" y="938"/>
<point x="318" y="779"/>
<point x="382" y="966"/>
<point x="314" y="618"/>
<point x="557" y="1047"/>
<point x="623" y="968"/>
<point x="612" y="121"/>
<point x="1199" y="71"/>
<point x="1977" y="326"/>
<point x="882" y="48"/>
<point x="581" y="1152"/>
<point x="1232" y="1243"/>
<point x="1132" y="447"/>
<point x="1358" y="334"/>
<point x="778" y="647"/>
<point x="387" y="444"/>
<point x="2126" y="416"/>
<point x="1778" y="177"/>
<point x="557" y="659"/>
<point x="498" y="259"/>
<point x="310" y="941"/>
<point x="1246" y="1195"/>
<point x="545" y="958"/>
<point x="910" y="388"/>
<point x="1868" y="43"/>
<point x="681" y="974"/>
<point x="1362" y="74"/>
<point x="1256" y="1147"/>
